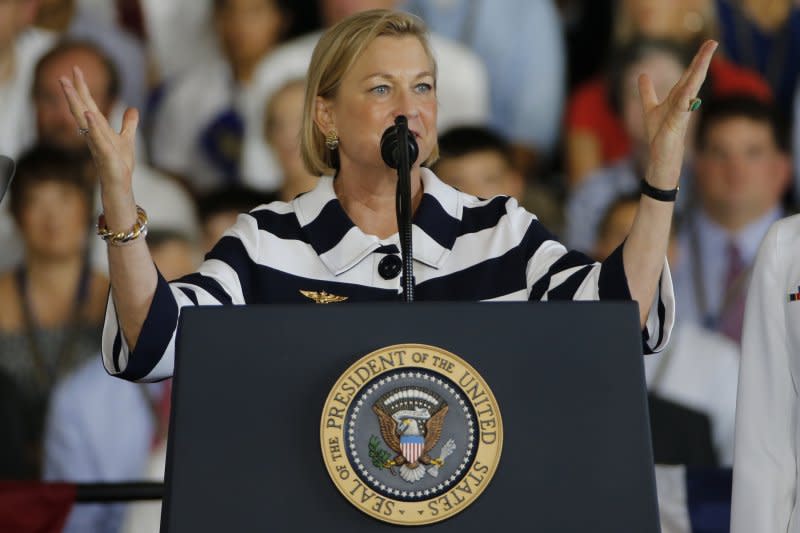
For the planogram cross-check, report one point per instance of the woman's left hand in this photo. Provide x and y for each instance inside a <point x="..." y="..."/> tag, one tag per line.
<point x="667" y="121"/>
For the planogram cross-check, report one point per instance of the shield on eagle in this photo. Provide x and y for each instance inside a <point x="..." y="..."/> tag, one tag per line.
<point x="411" y="420"/>
<point x="412" y="446"/>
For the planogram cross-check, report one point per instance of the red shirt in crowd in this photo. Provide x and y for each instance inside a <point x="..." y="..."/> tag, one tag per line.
<point x="589" y="109"/>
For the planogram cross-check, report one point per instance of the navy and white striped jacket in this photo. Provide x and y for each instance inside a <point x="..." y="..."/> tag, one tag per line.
<point x="464" y="249"/>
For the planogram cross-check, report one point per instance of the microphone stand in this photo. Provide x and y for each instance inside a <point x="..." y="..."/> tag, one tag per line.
<point x="403" y="206"/>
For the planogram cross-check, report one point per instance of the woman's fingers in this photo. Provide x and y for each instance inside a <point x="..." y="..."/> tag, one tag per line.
<point x="83" y="90"/>
<point x="100" y="143"/>
<point x="78" y="106"/>
<point x="687" y="71"/>
<point x="79" y="112"/>
<point x="112" y="151"/>
<point x="647" y="93"/>
<point x="114" y="164"/>
<point x="676" y="106"/>
<point x="74" y="101"/>
<point x="694" y="76"/>
<point x="130" y="121"/>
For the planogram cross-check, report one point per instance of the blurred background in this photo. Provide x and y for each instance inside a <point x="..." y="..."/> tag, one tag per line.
<point x="538" y="100"/>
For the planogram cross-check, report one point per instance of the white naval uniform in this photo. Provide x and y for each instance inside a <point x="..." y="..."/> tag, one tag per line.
<point x="765" y="470"/>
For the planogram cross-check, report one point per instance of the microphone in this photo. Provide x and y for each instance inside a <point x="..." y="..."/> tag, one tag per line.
<point x="390" y="143"/>
<point x="7" y="168"/>
<point x="399" y="150"/>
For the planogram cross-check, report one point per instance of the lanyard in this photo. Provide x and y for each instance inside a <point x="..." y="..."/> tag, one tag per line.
<point x="732" y="292"/>
<point x="47" y="374"/>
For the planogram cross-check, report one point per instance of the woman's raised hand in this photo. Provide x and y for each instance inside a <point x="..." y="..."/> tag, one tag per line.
<point x="113" y="152"/>
<point x="667" y="121"/>
<point x="131" y="269"/>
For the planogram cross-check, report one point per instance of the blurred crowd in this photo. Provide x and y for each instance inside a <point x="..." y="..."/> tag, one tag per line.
<point x="537" y="100"/>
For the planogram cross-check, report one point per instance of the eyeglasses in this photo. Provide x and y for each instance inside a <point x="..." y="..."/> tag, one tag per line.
<point x="7" y="168"/>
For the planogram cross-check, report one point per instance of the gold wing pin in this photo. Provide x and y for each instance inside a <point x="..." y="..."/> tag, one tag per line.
<point x="323" y="297"/>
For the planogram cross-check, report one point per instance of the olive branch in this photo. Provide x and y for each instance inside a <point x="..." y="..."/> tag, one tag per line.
<point x="378" y="455"/>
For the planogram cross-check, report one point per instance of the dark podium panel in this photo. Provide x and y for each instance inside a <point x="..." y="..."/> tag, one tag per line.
<point x="244" y="452"/>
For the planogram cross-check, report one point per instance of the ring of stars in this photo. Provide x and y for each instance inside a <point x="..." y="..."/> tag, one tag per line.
<point x="361" y="405"/>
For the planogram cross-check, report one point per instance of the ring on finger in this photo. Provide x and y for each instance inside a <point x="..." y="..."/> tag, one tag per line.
<point x="83" y="131"/>
<point x="694" y="104"/>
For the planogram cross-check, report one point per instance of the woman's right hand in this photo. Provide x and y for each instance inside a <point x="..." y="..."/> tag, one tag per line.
<point x="113" y="153"/>
<point x="131" y="269"/>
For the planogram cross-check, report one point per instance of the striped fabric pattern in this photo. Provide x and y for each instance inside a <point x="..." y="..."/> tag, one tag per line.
<point x="465" y="249"/>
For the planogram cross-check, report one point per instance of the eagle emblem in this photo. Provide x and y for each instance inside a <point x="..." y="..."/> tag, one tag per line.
<point x="323" y="297"/>
<point x="411" y="421"/>
<point x="402" y="439"/>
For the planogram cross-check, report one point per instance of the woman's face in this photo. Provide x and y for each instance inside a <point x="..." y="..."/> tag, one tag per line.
<point x="53" y="220"/>
<point x="393" y="77"/>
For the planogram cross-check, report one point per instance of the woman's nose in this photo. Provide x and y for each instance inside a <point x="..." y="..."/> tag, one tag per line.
<point x="406" y="104"/>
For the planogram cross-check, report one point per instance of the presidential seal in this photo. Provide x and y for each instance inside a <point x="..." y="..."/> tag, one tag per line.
<point x="411" y="434"/>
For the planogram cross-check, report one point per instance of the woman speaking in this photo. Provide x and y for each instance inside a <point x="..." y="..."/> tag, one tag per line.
<point x="339" y="242"/>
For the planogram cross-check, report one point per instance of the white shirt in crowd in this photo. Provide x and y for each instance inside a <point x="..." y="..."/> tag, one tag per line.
<point x="765" y="477"/>
<point x="190" y="105"/>
<point x="17" y="125"/>
<point x="180" y="34"/>
<point x="145" y="517"/>
<point x="796" y="144"/>
<point x="699" y="370"/>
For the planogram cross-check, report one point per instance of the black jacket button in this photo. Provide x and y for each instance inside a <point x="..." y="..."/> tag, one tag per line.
<point x="390" y="266"/>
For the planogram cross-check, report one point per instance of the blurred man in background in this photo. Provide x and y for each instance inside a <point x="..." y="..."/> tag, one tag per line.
<point x="742" y="172"/>
<point x="478" y="161"/>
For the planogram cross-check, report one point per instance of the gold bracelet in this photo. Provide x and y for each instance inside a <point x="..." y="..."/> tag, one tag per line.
<point x="122" y="238"/>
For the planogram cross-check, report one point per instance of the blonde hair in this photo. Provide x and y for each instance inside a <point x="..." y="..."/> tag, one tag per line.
<point x="335" y="53"/>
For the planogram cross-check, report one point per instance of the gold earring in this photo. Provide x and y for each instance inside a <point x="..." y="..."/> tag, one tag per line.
<point x="332" y="140"/>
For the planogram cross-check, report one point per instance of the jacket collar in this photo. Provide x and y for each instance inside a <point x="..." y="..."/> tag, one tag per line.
<point x="341" y="245"/>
